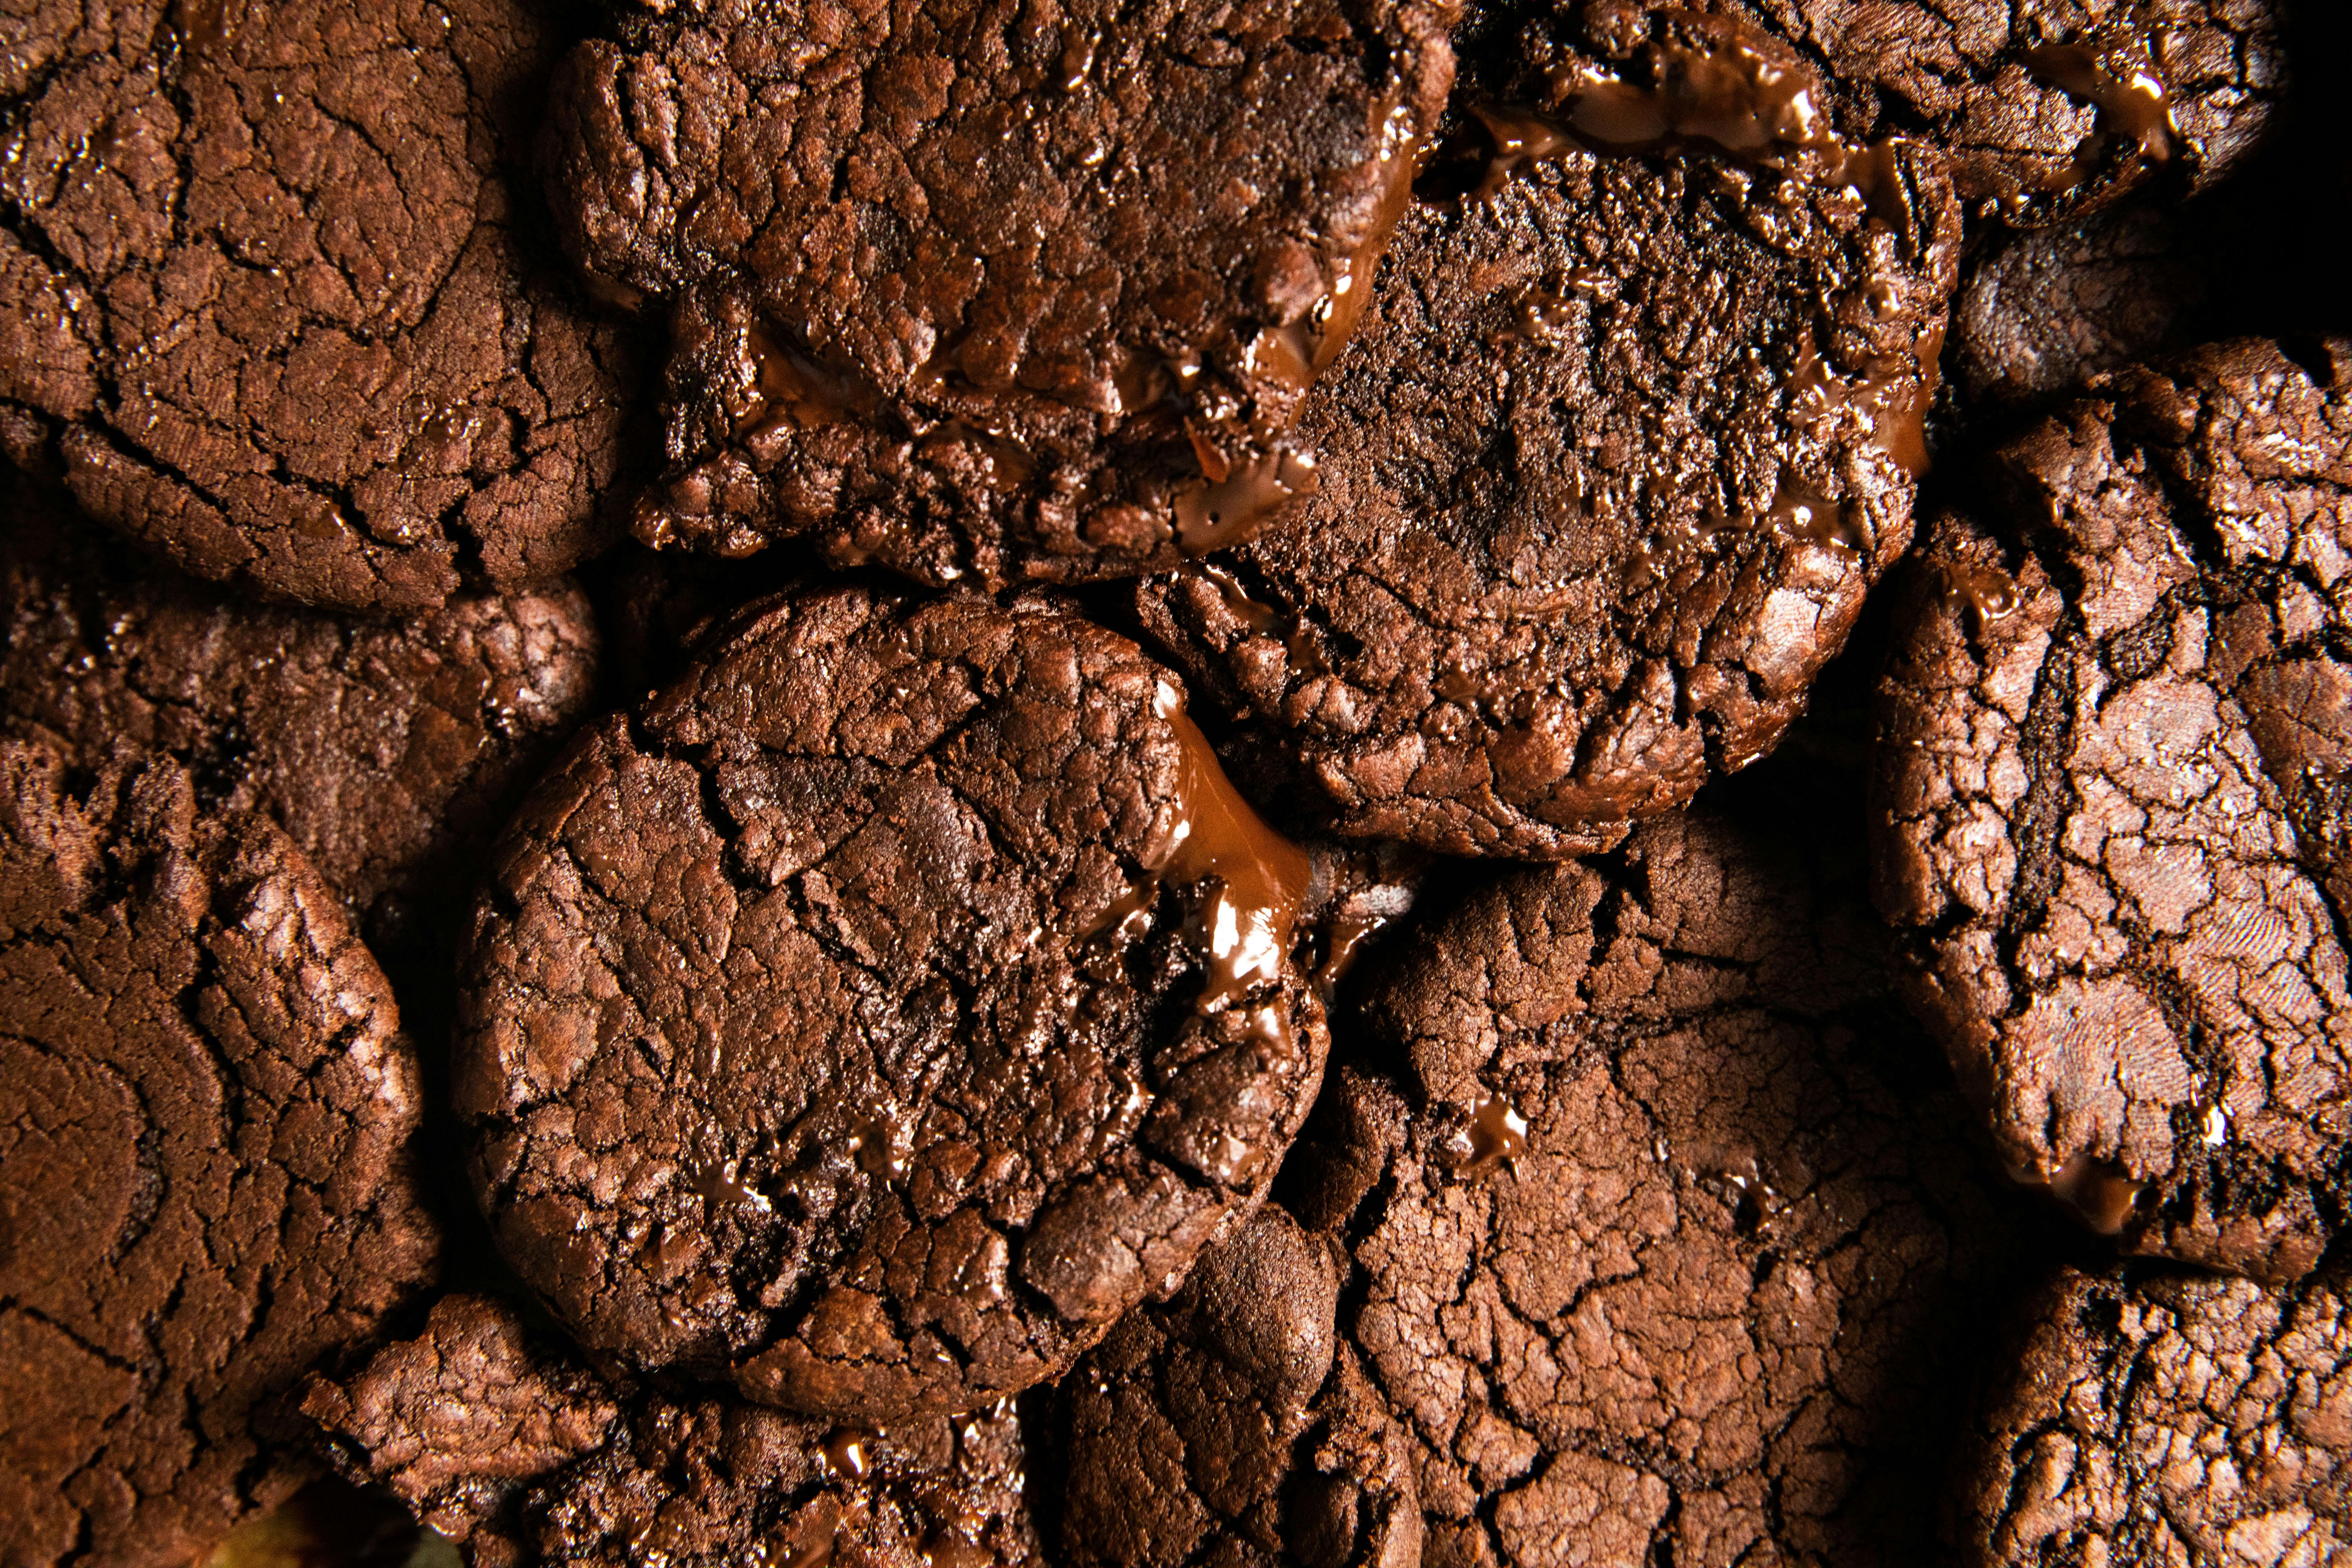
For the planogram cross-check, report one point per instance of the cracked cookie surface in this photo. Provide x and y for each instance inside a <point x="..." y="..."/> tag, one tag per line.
<point x="265" y="304"/>
<point x="2116" y="746"/>
<point x="516" y="1449"/>
<point x="203" y="1185"/>
<point x="1617" y="451"/>
<point x="885" y="1008"/>
<point x="1665" y="1234"/>
<point x="389" y="751"/>
<point x="1013" y="292"/>
<point x="2169" y="1419"/>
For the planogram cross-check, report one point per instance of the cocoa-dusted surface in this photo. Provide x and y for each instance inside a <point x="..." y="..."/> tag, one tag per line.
<point x="508" y="1445"/>
<point x="2168" y="1419"/>
<point x="2116" y="742"/>
<point x="389" y="751"/>
<point x="1607" y="471"/>
<point x="984" y="296"/>
<point x="2043" y="108"/>
<point x="1232" y="1424"/>
<point x="267" y="302"/>
<point x="843" y="1021"/>
<point x="202" y="1178"/>
<point x="1667" y="1238"/>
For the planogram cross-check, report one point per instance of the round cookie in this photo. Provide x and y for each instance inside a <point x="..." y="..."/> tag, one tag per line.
<point x="1618" y="450"/>
<point x="204" y="1186"/>
<point x="1230" y="1423"/>
<point x="1666" y="1238"/>
<point x="2168" y="1418"/>
<point x="881" y="1011"/>
<point x="514" y="1448"/>
<point x="389" y="751"/>
<point x="265" y="300"/>
<point x="1009" y="292"/>
<point x="2116" y="746"/>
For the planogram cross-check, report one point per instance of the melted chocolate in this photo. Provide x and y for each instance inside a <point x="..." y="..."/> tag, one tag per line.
<point x="1988" y="592"/>
<point x="788" y="384"/>
<point x="2118" y="79"/>
<point x="1213" y="513"/>
<point x="1496" y="1136"/>
<point x="1802" y="513"/>
<point x="844" y="1450"/>
<point x="204" y="25"/>
<point x="1261" y="874"/>
<point x="2096" y="1190"/>
<point x="1244" y="609"/>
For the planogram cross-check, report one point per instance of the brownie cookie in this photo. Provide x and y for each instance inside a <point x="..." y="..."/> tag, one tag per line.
<point x="1232" y="1424"/>
<point x="884" y="1009"/>
<point x="1617" y="451"/>
<point x="2115" y="749"/>
<point x="999" y="293"/>
<point x="389" y="751"/>
<point x="1667" y="1235"/>
<point x="2046" y="312"/>
<point x="263" y="300"/>
<point x="2041" y="108"/>
<point x="203" y="1177"/>
<point x="515" y="1449"/>
<point x="2176" y="1418"/>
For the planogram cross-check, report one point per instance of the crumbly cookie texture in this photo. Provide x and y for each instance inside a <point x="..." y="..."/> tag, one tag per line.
<point x="2114" y="756"/>
<point x="204" y="1178"/>
<point x="268" y="304"/>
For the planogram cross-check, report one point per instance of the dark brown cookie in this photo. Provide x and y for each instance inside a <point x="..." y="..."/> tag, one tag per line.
<point x="2041" y="108"/>
<point x="2115" y="752"/>
<point x="1667" y="1237"/>
<point x="514" y="1448"/>
<point x="2175" y="1418"/>
<point x="202" y="1176"/>
<point x="1617" y="451"/>
<point x="995" y="293"/>
<point x="263" y="301"/>
<point x="391" y="752"/>
<point x="1232" y="1424"/>
<point x="884" y="1009"/>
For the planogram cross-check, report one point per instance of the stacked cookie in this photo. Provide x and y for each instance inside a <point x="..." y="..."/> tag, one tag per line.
<point x="1172" y="784"/>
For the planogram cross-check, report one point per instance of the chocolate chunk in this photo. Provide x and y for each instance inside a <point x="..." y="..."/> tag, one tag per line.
<point x="1232" y="1424"/>
<point x="203" y="1185"/>
<point x="1616" y="453"/>
<point x="389" y="753"/>
<point x="1667" y="1238"/>
<point x="2117" y="741"/>
<point x="266" y="298"/>
<point x="884" y="1009"/>
<point x="510" y="1446"/>
<point x="2041" y="108"/>
<point x="2051" y="309"/>
<point x="1004" y="293"/>
<point x="2169" y="1419"/>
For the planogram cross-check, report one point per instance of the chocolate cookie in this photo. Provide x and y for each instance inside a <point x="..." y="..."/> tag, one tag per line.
<point x="513" y="1448"/>
<point x="2117" y="743"/>
<point x="389" y="751"/>
<point x="1232" y="1424"/>
<point x="2041" y="108"/>
<point x="884" y="1009"/>
<point x="202" y="1178"/>
<point x="265" y="302"/>
<point x="2173" y="1419"/>
<point x="1008" y="293"/>
<point x="1667" y="1237"/>
<point x="1617" y="451"/>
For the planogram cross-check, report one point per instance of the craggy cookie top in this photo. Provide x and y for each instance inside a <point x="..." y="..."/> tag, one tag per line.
<point x="883" y="1009"/>
<point x="1618" y="450"/>
<point x="1232" y="1424"/>
<point x="511" y="1446"/>
<point x="203" y="1179"/>
<point x="2041" y="108"/>
<point x="262" y="298"/>
<point x="1666" y="1236"/>
<point x="998" y="292"/>
<point x="2173" y="1418"/>
<point x="2115" y="743"/>
<point x="387" y="750"/>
